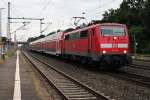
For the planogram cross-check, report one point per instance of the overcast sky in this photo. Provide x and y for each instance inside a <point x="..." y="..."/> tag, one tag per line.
<point x="58" y="12"/>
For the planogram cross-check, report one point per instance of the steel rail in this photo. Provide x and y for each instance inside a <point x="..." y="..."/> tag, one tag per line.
<point x="138" y="79"/>
<point x="72" y="90"/>
<point x="45" y="77"/>
<point x="140" y="66"/>
<point x="144" y="60"/>
<point x="141" y="80"/>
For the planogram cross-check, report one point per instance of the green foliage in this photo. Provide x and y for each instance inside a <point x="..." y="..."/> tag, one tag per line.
<point x="135" y="14"/>
<point x="35" y="38"/>
<point x="10" y="52"/>
<point x="137" y="30"/>
<point x="4" y="39"/>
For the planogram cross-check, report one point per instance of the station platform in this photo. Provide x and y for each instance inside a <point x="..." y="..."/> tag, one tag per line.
<point x="19" y="82"/>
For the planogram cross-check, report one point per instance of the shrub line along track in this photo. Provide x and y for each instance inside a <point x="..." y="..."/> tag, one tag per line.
<point x="68" y="87"/>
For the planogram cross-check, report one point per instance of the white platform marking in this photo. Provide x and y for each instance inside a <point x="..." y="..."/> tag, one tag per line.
<point x="17" y="89"/>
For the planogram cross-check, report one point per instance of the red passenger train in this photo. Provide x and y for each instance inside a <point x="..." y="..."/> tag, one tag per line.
<point x="106" y="43"/>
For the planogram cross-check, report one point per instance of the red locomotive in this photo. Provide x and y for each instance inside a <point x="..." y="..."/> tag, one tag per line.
<point x="106" y="43"/>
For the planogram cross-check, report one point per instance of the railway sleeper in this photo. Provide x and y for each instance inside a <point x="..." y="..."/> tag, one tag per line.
<point x="74" y="91"/>
<point x="68" y="86"/>
<point x="83" y="98"/>
<point x="81" y="92"/>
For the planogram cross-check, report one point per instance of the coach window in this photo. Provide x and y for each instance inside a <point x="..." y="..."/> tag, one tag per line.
<point x="66" y="37"/>
<point x="71" y="37"/>
<point x="74" y="36"/>
<point x="84" y="34"/>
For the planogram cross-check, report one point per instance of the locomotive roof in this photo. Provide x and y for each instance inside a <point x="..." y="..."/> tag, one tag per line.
<point x="56" y="36"/>
<point x="91" y="26"/>
<point x="84" y="28"/>
<point x="59" y="34"/>
<point x="112" y="24"/>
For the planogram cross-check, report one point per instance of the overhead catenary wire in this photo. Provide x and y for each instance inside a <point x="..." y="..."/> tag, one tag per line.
<point x="91" y="12"/>
<point x="24" y="24"/>
<point x="45" y="27"/>
<point x="45" y="7"/>
<point x="103" y="5"/>
<point x="4" y="2"/>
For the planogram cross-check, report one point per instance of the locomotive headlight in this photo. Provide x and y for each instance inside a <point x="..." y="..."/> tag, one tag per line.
<point x="115" y="38"/>
<point x="125" y="51"/>
<point x="104" y="51"/>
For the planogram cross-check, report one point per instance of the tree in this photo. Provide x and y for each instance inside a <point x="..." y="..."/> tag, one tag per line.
<point x="146" y="14"/>
<point x="4" y="39"/>
<point x="135" y="14"/>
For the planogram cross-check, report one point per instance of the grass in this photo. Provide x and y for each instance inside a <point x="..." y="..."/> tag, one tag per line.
<point x="143" y="56"/>
<point x="8" y="54"/>
<point x="1" y="61"/>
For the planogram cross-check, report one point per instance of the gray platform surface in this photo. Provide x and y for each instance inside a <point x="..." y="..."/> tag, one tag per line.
<point x="7" y="75"/>
<point x="7" y="80"/>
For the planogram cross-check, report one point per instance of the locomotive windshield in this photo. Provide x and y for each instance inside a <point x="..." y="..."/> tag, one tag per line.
<point x="112" y="31"/>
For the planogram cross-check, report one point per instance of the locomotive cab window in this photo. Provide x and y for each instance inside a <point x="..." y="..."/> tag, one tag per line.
<point x="84" y="34"/>
<point x="119" y="31"/>
<point x="112" y="31"/>
<point x="74" y="36"/>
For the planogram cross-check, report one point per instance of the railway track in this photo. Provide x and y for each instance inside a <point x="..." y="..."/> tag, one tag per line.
<point x="141" y="60"/>
<point x="138" y="79"/>
<point x="68" y="87"/>
<point x="140" y="66"/>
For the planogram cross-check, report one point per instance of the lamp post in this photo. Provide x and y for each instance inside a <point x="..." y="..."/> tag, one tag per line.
<point x="1" y="21"/>
<point x="1" y="44"/>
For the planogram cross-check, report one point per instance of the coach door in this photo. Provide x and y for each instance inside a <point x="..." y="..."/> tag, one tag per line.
<point x="57" y="47"/>
<point x="89" y="41"/>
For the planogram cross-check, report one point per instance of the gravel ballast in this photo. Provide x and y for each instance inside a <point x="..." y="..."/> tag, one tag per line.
<point x="114" y="87"/>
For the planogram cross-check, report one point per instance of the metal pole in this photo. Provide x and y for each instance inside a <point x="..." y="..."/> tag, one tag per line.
<point x="1" y="22"/>
<point x="0" y="36"/>
<point x="8" y="26"/>
<point x="15" y="42"/>
<point x="135" y="46"/>
<point x="40" y="26"/>
<point x="1" y="44"/>
<point x="27" y="18"/>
